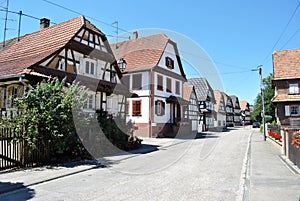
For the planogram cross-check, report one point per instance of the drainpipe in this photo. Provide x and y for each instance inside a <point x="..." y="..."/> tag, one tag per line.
<point x="150" y="101"/>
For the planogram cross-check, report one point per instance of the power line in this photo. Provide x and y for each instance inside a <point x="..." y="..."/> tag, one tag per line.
<point x="283" y="31"/>
<point x="78" y="13"/>
<point x="292" y="36"/>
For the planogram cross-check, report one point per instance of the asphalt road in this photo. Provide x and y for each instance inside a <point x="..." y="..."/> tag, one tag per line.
<point x="207" y="168"/>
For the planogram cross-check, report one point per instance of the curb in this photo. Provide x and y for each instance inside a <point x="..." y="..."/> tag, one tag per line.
<point x="95" y="165"/>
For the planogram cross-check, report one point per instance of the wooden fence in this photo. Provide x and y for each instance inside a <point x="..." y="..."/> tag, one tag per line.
<point x="14" y="151"/>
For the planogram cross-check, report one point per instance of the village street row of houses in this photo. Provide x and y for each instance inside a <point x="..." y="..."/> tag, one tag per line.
<point x="141" y="79"/>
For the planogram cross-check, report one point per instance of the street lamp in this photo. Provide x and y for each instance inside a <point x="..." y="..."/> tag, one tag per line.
<point x="122" y="64"/>
<point x="259" y="69"/>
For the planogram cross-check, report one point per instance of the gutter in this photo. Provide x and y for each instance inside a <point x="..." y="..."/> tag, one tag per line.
<point x="20" y="76"/>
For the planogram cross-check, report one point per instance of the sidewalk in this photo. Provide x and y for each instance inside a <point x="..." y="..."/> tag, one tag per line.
<point x="270" y="177"/>
<point x="13" y="180"/>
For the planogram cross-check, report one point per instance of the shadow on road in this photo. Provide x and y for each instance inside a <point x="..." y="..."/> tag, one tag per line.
<point x="205" y="135"/>
<point x="6" y="187"/>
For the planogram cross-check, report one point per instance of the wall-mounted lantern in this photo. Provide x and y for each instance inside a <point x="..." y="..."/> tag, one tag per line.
<point x="122" y="64"/>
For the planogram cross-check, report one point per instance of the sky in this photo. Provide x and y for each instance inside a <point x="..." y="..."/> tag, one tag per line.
<point x="235" y="36"/>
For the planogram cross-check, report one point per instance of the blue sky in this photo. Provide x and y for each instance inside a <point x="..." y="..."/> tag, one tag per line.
<point x="236" y="35"/>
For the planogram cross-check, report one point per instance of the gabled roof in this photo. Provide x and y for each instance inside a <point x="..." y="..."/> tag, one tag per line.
<point x="218" y="97"/>
<point x="30" y="49"/>
<point x="244" y="105"/>
<point x="187" y="91"/>
<point x="286" y="64"/>
<point x="235" y="100"/>
<point x="202" y="88"/>
<point x="145" y="52"/>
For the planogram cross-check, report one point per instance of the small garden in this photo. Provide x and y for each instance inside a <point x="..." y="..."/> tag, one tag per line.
<point x="47" y="123"/>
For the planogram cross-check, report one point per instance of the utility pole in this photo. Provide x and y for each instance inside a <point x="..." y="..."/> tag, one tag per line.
<point x="259" y="69"/>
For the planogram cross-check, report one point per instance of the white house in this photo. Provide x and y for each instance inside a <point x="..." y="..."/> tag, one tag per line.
<point x="154" y="73"/>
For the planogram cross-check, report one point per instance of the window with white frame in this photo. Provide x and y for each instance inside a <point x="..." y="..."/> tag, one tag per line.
<point x="90" y="102"/>
<point x="292" y="110"/>
<point x="89" y="67"/>
<point x="293" y="88"/>
<point x="159" y="108"/>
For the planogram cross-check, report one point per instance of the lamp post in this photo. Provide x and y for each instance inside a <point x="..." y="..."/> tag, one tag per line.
<point x="259" y="69"/>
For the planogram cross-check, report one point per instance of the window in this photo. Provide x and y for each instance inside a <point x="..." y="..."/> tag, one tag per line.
<point x="170" y="62"/>
<point x="160" y="83"/>
<point x="136" y="108"/>
<point x="169" y="85"/>
<point x="90" y="102"/>
<point x="177" y="89"/>
<point x="90" y="67"/>
<point x="159" y="108"/>
<point x="292" y="110"/>
<point x="137" y="81"/>
<point x="294" y="89"/>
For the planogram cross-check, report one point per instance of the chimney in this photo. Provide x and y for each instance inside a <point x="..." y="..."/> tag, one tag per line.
<point x="135" y="35"/>
<point x="44" y="23"/>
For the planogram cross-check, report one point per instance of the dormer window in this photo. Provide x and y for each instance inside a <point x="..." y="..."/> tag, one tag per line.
<point x="169" y="62"/>
<point x="293" y="88"/>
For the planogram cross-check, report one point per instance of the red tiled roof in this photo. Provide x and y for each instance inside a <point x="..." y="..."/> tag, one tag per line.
<point x="218" y="95"/>
<point x="286" y="64"/>
<point x="243" y="104"/>
<point x="142" y="52"/>
<point x="187" y="91"/>
<point x="17" y="56"/>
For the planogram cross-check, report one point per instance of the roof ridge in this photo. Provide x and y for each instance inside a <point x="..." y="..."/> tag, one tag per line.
<point x="45" y="29"/>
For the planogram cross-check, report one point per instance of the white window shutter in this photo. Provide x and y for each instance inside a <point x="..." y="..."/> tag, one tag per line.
<point x="81" y="66"/>
<point x="287" y="110"/>
<point x="100" y="67"/>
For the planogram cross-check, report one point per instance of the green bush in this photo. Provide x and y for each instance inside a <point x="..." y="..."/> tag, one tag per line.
<point x="47" y="116"/>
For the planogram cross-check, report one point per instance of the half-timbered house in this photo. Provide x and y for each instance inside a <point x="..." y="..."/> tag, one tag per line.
<point x="191" y="111"/>
<point x="245" y="112"/>
<point x="75" y="50"/>
<point x="219" y="112"/>
<point x="229" y="110"/>
<point x="236" y="110"/>
<point x="206" y="101"/>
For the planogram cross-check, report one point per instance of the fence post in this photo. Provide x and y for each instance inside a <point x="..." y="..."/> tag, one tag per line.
<point x="282" y="133"/>
<point x="287" y="141"/>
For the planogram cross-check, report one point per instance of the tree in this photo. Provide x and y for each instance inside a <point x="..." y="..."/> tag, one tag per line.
<point x="268" y="95"/>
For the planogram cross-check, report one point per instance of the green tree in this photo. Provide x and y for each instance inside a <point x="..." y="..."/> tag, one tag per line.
<point x="268" y="95"/>
<point x="47" y="115"/>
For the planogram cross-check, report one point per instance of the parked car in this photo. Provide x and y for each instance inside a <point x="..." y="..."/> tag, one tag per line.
<point x="255" y="124"/>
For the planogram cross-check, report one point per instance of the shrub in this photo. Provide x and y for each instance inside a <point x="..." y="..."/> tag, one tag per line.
<point x="47" y="115"/>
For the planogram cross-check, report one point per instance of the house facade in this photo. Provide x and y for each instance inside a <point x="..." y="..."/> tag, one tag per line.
<point x="286" y="81"/>
<point x="219" y="111"/>
<point x="236" y="110"/>
<point x="206" y="101"/>
<point x="191" y="111"/>
<point x="229" y="110"/>
<point x="245" y="112"/>
<point x="154" y="73"/>
<point x="75" y="50"/>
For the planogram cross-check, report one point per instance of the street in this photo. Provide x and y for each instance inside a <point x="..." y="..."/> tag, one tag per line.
<point x="210" y="167"/>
